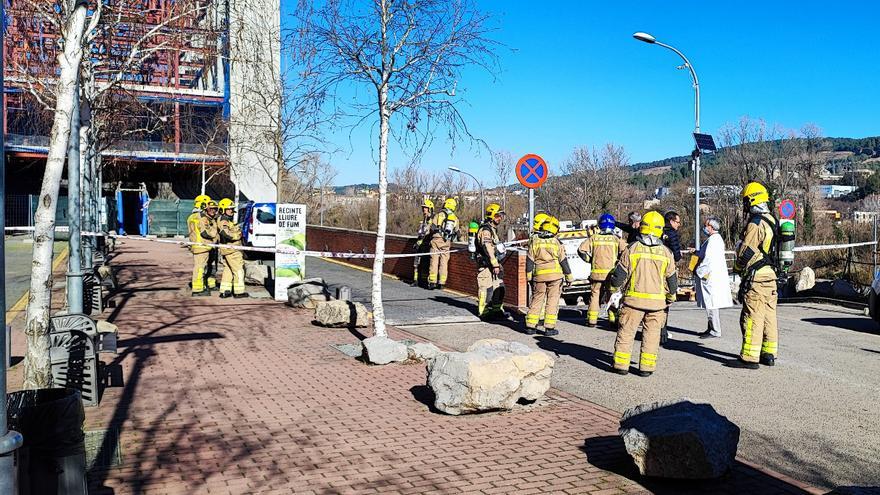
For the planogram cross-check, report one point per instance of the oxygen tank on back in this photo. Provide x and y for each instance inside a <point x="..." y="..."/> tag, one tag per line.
<point x="472" y="238"/>
<point x="786" y="244"/>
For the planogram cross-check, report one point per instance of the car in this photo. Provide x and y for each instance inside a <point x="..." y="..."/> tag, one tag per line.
<point x="258" y="224"/>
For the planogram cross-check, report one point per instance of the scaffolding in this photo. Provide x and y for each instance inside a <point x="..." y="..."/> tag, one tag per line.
<point x="168" y="57"/>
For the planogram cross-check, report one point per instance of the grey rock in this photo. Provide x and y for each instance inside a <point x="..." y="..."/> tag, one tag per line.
<point x="422" y="351"/>
<point x="679" y="439"/>
<point x="307" y="293"/>
<point x="806" y="279"/>
<point x="255" y="273"/>
<point x="341" y="314"/>
<point x="382" y="350"/>
<point x="493" y="374"/>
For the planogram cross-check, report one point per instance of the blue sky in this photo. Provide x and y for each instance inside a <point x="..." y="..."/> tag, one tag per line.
<point x="573" y="75"/>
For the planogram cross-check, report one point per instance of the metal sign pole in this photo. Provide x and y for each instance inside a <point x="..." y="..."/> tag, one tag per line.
<point x="9" y="440"/>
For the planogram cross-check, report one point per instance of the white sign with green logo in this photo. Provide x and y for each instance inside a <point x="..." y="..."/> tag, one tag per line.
<point x="290" y="267"/>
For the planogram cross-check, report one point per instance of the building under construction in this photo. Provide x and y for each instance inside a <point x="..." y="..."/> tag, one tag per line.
<point x="169" y="85"/>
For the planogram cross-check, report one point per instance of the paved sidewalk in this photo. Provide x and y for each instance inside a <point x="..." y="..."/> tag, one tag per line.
<point x="246" y="396"/>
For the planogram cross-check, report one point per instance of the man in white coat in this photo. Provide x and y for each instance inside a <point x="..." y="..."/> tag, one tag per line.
<point x="713" y="287"/>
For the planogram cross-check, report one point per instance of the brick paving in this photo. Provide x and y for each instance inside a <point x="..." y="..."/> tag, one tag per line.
<point x="246" y="396"/>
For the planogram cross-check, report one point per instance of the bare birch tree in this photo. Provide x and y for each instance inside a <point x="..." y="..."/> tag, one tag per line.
<point x="411" y="55"/>
<point x="37" y="371"/>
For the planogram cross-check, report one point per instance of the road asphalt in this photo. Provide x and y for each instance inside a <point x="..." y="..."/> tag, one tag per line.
<point x="18" y="266"/>
<point x="813" y="416"/>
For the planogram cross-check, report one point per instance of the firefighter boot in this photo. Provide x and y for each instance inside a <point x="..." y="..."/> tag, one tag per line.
<point x="768" y="359"/>
<point x="225" y="294"/>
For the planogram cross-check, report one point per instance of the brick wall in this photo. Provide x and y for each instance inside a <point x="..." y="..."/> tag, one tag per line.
<point x="462" y="271"/>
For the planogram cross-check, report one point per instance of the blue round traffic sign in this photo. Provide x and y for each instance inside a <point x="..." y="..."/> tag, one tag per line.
<point x="787" y="209"/>
<point x="532" y="171"/>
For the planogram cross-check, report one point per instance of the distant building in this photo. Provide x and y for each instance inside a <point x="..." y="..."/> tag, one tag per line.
<point x="865" y="216"/>
<point x="832" y="191"/>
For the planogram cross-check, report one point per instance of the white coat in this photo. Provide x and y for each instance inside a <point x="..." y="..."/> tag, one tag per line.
<point x="713" y="282"/>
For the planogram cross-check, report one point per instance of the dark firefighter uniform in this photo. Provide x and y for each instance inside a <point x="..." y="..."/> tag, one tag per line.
<point x="546" y="267"/>
<point x="646" y="272"/>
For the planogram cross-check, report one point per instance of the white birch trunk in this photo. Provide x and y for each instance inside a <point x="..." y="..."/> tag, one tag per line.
<point x="379" y="261"/>
<point x="37" y="373"/>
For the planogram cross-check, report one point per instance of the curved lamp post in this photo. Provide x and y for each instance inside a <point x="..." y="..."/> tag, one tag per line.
<point x="479" y="184"/>
<point x="647" y="38"/>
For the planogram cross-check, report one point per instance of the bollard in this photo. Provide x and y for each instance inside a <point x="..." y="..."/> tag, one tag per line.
<point x="343" y="293"/>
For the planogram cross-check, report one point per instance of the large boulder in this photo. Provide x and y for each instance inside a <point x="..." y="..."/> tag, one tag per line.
<point x="806" y="279"/>
<point x="382" y="350"/>
<point x="307" y="293"/>
<point x="341" y="314"/>
<point x="679" y="439"/>
<point x="492" y="374"/>
<point x="422" y="351"/>
<point x="255" y="273"/>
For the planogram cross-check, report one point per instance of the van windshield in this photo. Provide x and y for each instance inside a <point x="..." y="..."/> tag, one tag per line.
<point x="265" y="216"/>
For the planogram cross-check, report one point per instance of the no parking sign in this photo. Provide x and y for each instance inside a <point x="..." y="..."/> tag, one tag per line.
<point x="532" y="171"/>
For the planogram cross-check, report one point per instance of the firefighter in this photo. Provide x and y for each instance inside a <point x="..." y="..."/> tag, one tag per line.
<point x="444" y="229"/>
<point x="756" y="264"/>
<point x="490" y="274"/>
<point x="601" y="251"/>
<point x="205" y="231"/>
<point x="546" y="267"/>
<point x="232" y="280"/>
<point x="199" y="205"/>
<point x="421" y="235"/>
<point x="646" y="273"/>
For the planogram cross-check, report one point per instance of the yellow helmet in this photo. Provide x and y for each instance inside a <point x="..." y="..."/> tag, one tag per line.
<point x="201" y="200"/>
<point x="551" y="225"/>
<point x="652" y="224"/>
<point x="493" y="209"/>
<point x="210" y="204"/>
<point x="539" y="219"/>
<point x="427" y="203"/>
<point x="755" y="193"/>
<point x="450" y="204"/>
<point x="225" y="204"/>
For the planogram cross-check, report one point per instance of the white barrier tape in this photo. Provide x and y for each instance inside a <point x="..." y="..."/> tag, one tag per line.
<point x="313" y="254"/>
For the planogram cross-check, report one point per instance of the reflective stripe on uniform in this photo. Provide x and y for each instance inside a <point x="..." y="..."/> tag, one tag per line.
<point x="592" y="315"/>
<point x="769" y="348"/>
<point x="621" y="357"/>
<point x="601" y="271"/>
<point x="647" y="359"/>
<point x="634" y="260"/>
<point x="550" y="320"/>
<point x="749" y="350"/>
<point x="546" y="271"/>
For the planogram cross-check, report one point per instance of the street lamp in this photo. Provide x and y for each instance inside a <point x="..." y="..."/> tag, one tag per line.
<point x="479" y="184"/>
<point x="647" y="38"/>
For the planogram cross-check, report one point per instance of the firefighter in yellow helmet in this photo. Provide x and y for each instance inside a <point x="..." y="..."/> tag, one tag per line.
<point x="198" y="206"/>
<point x="756" y="264"/>
<point x="232" y="280"/>
<point x="546" y="268"/>
<point x="444" y="230"/>
<point x="539" y="219"/>
<point x="489" y="256"/>
<point x="601" y="251"/>
<point x="646" y="275"/>
<point x="421" y="235"/>
<point x="204" y="231"/>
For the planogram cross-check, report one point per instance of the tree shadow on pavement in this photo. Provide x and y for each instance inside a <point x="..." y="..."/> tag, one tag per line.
<point x="609" y="453"/>
<point x="871" y="350"/>
<point x="857" y="324"/>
